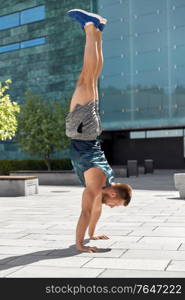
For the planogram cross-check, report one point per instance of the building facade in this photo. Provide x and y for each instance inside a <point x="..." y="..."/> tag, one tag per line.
<point x="142" y="83"/>
<point x="40" y="49"/>
<point x="142" y="101"/>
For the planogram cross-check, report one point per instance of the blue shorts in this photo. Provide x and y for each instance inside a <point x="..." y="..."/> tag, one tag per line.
<point x="88" y="154"/>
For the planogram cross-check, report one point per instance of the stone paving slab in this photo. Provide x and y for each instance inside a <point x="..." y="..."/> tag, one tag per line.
<point x="176" y="265"/>
<point x="13" y="250"/>
<point x="112" y="232"/>
<point x="161" y="240"/>
<point x="147" y="238"/>
<point x="15" y="235"/>
<point x="128" y="263"/>
<point x="140" y="274"/>
<point x="50" y="237"/>
<point x="147" y="246"/>
<point x="167" y="224"/>
<point x="154" y="254"/>
<point x="23" y="242"/>
<point x="169" y="232"/>
<point x="48" y="271"/>
<point x="5" y="271"/>
<point x="176" y="219"/>
<point x="182" y="247"/>
<point x="130" y="226"/>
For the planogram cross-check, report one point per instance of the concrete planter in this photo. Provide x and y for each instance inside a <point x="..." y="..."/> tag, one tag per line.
<point x="66" y="177"/>
<point x="179" y="179"/>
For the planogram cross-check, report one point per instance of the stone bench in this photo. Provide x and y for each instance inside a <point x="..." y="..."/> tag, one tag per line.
<point x="13" y="186"/>
<point x="179" y="179"/>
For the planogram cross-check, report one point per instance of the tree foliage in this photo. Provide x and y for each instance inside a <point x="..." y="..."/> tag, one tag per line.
<point x="41" y="127"/>
<point x="8" y="113"/>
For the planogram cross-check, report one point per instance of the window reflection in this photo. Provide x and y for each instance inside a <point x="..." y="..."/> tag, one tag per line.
<point x="144" y="52"/>
<point x="25" y="44"/>
<point x="8" y="48"/>
<point x="32" y="14"/>
<point x="23" y="17"/>
<point x="9" y="21"/>
<point x="33" y="42"/>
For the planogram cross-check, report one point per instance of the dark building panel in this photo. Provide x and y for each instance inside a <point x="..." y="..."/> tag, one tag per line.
<point x="167" y="153"/>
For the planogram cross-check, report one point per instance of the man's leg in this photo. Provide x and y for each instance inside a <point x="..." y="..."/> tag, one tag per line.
<point x="100" y="62"/>
<point x="85" y="88"/>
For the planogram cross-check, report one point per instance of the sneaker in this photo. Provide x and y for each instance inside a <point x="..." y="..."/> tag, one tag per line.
<point x="84" y="17"/>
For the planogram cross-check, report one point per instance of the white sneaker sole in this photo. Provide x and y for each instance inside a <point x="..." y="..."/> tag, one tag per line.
<point x="101" y="19"/>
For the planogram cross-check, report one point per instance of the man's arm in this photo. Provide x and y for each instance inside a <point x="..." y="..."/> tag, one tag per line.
<point x="88" y="198"/>
<point x="92" y="197"/>
<point x="95" y="215"/>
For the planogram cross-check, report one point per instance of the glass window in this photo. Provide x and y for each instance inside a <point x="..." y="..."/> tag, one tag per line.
<point x="34" y="42"/>
<point x="8" y="48"/>
<point x="9" y="21"/>
<point x="25" y="44"/>
<point x="137" y="134"/>
<point x="33" y="14"/>
<point x="24" y="17"/>
<point x="144" y="64"/>
<point x="164" y="133"/>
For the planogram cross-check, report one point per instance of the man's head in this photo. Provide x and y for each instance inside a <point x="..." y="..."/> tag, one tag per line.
<point x="118" y="194"/>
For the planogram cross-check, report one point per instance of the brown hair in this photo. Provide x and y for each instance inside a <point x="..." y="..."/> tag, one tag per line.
<point x="124" y="191"/>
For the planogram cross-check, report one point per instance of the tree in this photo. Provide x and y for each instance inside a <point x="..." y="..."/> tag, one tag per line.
<point x="8" y="113"/>
<point x="41" y="127"/>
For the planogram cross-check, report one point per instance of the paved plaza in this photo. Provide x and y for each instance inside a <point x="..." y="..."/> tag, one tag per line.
<point x="147" y="238"/>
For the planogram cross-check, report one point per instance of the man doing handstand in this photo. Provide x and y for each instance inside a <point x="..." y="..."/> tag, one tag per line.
<point x="83" y="126"/>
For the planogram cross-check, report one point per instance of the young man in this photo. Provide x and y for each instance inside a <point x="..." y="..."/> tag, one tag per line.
<point x="83" y="127"/>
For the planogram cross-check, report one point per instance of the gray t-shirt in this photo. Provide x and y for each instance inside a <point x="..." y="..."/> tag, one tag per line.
<point x="83" y="122"/>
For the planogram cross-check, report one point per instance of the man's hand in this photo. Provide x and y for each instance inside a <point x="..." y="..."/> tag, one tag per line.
<point x="87" y="249"/>
<point x="99" y="237"/>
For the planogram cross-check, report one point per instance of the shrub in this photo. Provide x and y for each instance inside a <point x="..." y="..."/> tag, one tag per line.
<point x="8" y="165"/>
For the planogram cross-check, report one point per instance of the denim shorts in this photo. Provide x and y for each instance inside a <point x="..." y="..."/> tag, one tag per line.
<point x="88" y="154"/>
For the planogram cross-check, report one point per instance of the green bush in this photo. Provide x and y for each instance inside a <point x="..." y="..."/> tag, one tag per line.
<point x="8" y="165"/>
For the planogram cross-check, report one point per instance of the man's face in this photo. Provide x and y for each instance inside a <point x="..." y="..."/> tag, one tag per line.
<point x="112" y="201"/>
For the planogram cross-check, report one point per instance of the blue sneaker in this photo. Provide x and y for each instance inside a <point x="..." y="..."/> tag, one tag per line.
<point x="84" y="17"/>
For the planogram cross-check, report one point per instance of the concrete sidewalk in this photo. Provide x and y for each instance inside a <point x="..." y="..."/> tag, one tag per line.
<point x="147" y="238"/>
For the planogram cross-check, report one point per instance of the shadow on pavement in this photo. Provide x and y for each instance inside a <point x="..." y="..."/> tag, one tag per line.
<point x="176" y="198"/>
<point x="30" y="258"/>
